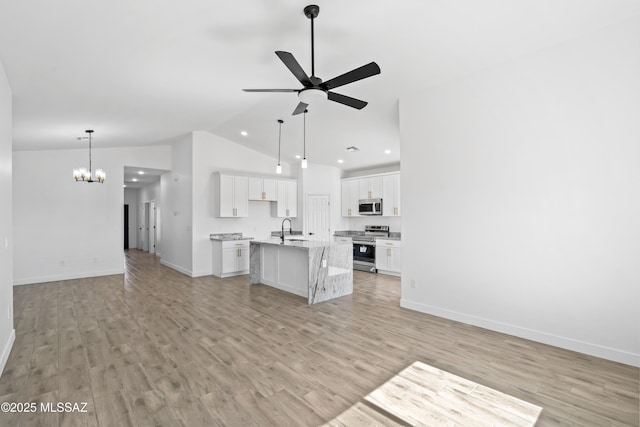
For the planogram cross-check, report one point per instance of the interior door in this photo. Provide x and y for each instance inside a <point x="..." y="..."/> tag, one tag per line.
<point x="126" y="226"/>
<point x="145" y="227"/>
<point x="318" y="217"/>
<point x="142" y="226"/>
<point x="152" y="227"/>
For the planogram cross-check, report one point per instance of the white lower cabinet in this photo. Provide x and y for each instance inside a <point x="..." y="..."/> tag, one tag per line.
<point x="389" y="256"/>
<point x="230" y="257"/>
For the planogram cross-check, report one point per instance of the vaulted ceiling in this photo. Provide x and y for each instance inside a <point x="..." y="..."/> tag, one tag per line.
<point x="149" y="72"/>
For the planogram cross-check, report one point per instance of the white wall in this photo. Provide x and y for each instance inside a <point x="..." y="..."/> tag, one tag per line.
<point x="131" y="199"/>
<point x="358" y="223"/>
<point x="65" y="229"/>
<point x="7" y="333"/>
<point x="212" y="153"/>
<point x="520" y="196"/>
<point x="177" y="222"/>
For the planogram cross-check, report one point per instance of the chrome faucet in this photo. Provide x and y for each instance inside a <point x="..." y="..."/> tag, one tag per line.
<point x="282" y="232"/>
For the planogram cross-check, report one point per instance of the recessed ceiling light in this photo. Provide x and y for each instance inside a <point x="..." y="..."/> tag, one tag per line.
<point x="340" y="161"/>
<point x="140" y="172"/>
<point x="387" y="151"/>
<point x="244" y="133"/>
<point x="134" y="179"/>
<point x="297" y="156"/>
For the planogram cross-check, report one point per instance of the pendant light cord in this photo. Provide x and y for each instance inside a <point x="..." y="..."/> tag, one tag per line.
<point x="90" y="172"/>
<point x="279" y="138"/>
<point x="304" y="134"/>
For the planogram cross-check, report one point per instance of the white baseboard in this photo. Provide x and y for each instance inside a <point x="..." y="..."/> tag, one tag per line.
<point x="389" y="273"/>
<point x="6" y="350"/>
<point x="66" y="276"/>
<point x="176" y="267"/>
<point x="543" y="337"/>
<point x="201" y="273"/>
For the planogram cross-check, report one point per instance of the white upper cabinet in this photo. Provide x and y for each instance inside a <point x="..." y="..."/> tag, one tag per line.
<point x="263" y="189"/>
<point x="370" y="187"/>
<point x="287" y="204"/>
<point x="350" y="197"/>
<point x="383" y="186"/>
<point x="391" y="195"/>
<point x="233" y="195"/>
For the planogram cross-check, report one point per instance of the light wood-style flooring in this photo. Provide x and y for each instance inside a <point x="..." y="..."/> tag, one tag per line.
<point x="159" y="348"/>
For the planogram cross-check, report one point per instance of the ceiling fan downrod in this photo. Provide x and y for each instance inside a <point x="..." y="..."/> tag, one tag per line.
<point x="312" y="12"/>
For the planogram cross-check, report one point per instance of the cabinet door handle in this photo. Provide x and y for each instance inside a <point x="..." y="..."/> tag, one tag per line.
<point x="395" y="211"/>
<point x="349" y="212"/>
<point x="388" y="252"/>
<point x="287" y="212"/>
<point x="369" y="194"/>
<point x="264" y="195"/>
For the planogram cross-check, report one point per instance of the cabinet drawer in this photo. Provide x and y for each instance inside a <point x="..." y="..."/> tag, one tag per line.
<point x="388" y="243"/>
<point x="229" y="244"/>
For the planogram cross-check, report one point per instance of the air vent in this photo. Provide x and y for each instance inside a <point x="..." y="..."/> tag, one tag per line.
<point x="353" y="148"/>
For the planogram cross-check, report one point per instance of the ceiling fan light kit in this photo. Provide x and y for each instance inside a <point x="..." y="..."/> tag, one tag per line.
<point x="82" y="174"/>
<point x="312" y="96"/>
<point x="314" y="89"/>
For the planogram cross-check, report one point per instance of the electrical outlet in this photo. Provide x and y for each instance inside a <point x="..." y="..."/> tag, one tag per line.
<point x="324" y="263"/>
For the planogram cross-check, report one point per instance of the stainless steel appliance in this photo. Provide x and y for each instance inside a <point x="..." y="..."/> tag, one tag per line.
<point x="364" y="247"/>
<point x="370" y="206"/>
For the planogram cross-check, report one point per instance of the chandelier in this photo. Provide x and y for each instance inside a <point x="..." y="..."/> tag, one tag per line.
<point x="81" y="174"/>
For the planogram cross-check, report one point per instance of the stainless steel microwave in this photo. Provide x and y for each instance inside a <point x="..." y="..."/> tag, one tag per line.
<point x="370" y="206"/>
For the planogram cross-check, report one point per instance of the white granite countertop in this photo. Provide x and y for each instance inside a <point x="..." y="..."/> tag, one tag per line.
<point x="302" y="244"/>
<point x="228" y="236"/>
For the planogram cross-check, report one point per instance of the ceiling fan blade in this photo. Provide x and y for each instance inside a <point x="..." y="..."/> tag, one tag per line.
<point x="270" y="90"/>
<point x="300" y="108"/>
<point x="371" y="69"/>
<point x="347" y="100"/>
<point x="294" y="67"/>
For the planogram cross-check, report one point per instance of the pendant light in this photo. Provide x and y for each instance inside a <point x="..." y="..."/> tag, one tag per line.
<point x="279" y="168"/>
<point x="81" y="174"/>
<point x="304" y="140"/>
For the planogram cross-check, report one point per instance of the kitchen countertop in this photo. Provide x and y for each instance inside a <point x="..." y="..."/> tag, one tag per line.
<point x="354" y="233"/>
<point x="228" y="236"/>
<point x="302" y="244"/>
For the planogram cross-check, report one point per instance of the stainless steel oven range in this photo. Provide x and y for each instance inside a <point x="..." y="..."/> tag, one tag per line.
<point x="364" y="247"/>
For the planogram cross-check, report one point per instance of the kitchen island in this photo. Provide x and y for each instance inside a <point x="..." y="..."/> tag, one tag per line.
<point x="316" y="270"/>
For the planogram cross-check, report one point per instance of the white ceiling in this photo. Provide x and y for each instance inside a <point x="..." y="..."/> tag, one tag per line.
<point x="148" y="72"/>
<point x="135" y="177"/>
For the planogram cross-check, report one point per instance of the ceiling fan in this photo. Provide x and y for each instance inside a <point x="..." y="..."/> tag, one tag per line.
<point x="313" y="87"/>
